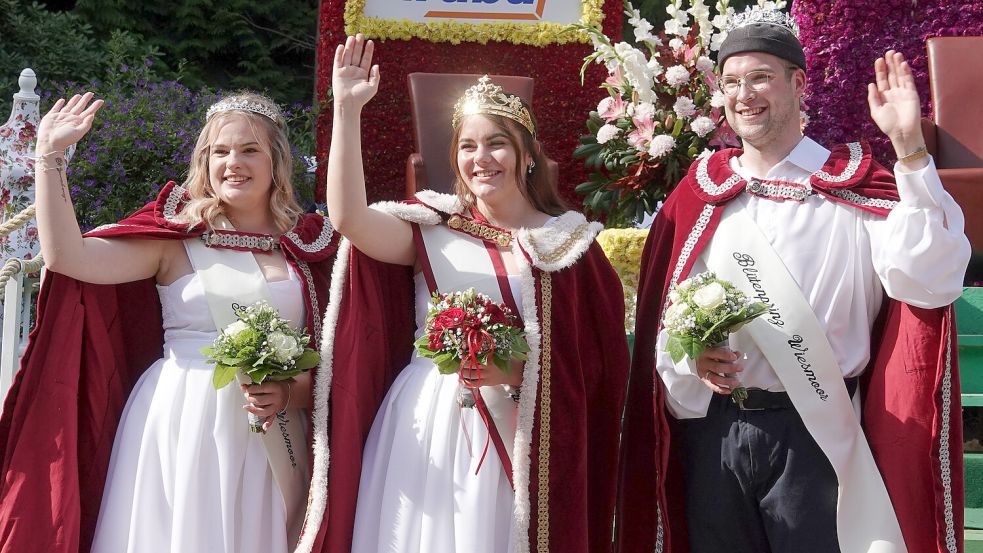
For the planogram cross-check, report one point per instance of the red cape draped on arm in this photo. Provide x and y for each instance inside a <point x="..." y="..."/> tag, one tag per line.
<point x="90" y="345"/>
<point x="911" y="402"/>
<point x="589" y="363"/>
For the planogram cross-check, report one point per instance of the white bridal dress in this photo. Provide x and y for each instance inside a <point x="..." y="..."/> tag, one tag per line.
<point x="419" y="492"/>
<point x="186" y="474"/>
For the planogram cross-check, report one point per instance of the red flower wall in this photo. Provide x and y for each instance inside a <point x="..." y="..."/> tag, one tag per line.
<point x="561" y="104"/>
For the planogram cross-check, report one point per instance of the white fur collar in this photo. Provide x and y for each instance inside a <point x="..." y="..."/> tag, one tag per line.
<point x="552" y="247"/>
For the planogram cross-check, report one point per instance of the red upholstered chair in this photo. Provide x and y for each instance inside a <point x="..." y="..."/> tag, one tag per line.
<point x="954" y="135"/>
<point x="432" y="99"/>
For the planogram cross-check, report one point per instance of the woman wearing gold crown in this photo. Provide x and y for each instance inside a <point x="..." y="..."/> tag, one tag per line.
<point x="101" y="452"/>
<point x="420" y="485"/>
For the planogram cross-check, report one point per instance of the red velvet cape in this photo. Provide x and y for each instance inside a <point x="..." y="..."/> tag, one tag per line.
<point x="589" y="364"/>
<point x="87" y="350"/>
<point x="911" y="402"/>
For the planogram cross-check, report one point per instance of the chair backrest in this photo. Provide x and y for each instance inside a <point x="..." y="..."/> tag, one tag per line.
<point x="955" y="66"/>
<point x="432" y="99"/>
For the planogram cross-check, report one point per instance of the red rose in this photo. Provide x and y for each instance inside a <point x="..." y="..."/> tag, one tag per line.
<point x="450" y="318"/>
<point x="496" y="315"/>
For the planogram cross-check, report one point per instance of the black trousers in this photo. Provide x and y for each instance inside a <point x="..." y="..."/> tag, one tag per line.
<point x="756" y="482"/>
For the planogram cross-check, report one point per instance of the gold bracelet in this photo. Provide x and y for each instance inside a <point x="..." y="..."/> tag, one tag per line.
<point x="919" y="153"/>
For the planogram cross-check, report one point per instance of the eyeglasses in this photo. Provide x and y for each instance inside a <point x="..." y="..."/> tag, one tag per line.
<point x="755" y="81"/>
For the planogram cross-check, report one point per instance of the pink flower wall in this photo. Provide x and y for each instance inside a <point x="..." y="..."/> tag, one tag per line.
<point x="842" y="38"/>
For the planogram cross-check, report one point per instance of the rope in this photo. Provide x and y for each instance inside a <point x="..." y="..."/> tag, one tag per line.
<point x="17" y="221"/>
<point x="14" y="266"/>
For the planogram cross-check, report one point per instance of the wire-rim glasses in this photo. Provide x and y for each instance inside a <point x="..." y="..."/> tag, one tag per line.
<point x="754" y="81"/>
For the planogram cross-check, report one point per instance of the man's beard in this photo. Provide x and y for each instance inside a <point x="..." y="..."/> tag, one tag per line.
<point x="761" y="134"/>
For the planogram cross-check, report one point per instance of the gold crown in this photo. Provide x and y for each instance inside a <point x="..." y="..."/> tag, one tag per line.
<point x="488" y="98"/>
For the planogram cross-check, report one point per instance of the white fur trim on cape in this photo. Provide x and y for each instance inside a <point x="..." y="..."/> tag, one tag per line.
<point x="521" y="449"/>
<point x="318" y="498"/>
<point x="414" y="213"/>
<point x="561" y="243"/>
<point x="447" y="203"/>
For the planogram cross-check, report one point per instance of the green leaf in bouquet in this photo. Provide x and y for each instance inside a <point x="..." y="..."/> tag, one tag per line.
<point x="503" y="364"/>
<point x="285" y="375"/>
<point x="675" y="348"/>
<point x="232" y="361"/>
<point x="260" y="374"/>
<point x="207" y="351"/>
<point x="223" y="375"/>
<point x="678" y="127"/>
<point x="446" y="363"/>
<point x="307" y="360"/>
<point x="587" y="148"/>
<point x="593" y="126"/>
<point x="519" y="345"/>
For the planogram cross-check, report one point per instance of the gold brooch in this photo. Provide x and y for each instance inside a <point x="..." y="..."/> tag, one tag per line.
<point x="503" y="239"/>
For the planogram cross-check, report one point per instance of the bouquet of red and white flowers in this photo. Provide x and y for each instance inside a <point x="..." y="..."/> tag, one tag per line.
<point x="468" y="327"/>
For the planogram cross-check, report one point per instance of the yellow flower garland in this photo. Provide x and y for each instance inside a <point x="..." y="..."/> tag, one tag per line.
<point x="623" y="247"/>
<point x="456" y="32"/>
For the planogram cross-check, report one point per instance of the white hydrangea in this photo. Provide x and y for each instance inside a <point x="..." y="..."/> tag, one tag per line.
<point x="661" y="145"/>
<point x="684" y="106"/>
<point x="704" y="64"/>
<point x="677" y="75"/>
<point x="702" y="126"/>
<point x="607" y="133"/>
<point x="718" y="99"/>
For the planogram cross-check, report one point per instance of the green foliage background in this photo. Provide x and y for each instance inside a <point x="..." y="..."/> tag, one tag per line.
<point x="264" y="45"/>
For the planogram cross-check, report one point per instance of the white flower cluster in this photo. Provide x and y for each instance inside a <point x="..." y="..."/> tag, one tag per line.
<point x="698" y="303"/>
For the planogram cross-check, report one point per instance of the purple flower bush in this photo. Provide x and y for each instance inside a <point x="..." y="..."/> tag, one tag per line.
<point x="842" y="38"/>
<point x="143" y="137"/>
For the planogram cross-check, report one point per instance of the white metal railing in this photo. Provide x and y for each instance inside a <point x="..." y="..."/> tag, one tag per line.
<point x="18" y="230"/>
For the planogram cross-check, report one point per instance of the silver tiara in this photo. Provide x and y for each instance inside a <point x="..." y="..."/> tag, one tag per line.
<point x="238" y="104"/>
<point x="756" y="14"/>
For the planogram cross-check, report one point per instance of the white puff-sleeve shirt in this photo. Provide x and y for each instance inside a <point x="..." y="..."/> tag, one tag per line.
<point x="844" y="260"/>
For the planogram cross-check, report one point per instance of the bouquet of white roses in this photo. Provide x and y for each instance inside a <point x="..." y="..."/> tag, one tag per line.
<point x="663" y="109"/>
<point x="262" y="346"/>
<point x="703" y="311"/>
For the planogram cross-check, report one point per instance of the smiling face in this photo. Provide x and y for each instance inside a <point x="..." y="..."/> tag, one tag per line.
<point x="770" y="114"/>
<point x="488" y="161"/>
<point x="240" y="167"/>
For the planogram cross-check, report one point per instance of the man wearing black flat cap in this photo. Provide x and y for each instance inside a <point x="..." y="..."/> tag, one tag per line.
<point x="859" y="267"/>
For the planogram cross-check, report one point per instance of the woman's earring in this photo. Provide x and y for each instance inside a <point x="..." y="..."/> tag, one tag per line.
<point x="532" y="165"/>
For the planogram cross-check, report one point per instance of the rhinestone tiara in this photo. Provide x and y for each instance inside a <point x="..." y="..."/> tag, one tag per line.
<point x="756" y="14"/>
<point x="239" y="104"/>
<point x="488" y="98"/>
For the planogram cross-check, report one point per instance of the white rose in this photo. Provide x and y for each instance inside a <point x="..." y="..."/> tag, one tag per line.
<point x="607" y="133"/>
<point x="710" y="296"/>
<point x="284" y="347"/>
<point x="235" y="328"/>
<point x="673" y="297"/>
<point x="677" y="311"/>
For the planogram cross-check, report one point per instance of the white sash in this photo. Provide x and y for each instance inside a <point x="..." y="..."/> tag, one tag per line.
<point x="229" y="278"/>
<point x="460" y="262"/>
<point x="796" y="346"/>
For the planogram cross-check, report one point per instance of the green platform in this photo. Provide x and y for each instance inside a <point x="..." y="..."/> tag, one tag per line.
<point x="969" y="321"/>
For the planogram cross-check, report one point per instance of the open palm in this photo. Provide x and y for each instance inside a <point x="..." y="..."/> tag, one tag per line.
<point x="893" y="98"/>
<point x="67" y="122"/>
<point x="354" y="80"/>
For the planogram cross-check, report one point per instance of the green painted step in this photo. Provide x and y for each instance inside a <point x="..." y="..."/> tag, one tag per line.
<point x="969" y="324"/>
